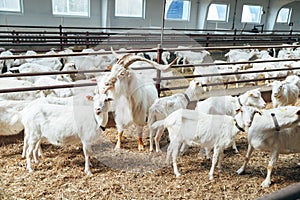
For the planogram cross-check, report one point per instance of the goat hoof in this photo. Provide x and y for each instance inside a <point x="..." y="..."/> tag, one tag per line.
<point x="88" y="173"/>
<point x="117" y="148"/>
<point x="240" y="171"/>
<point x="265" y="184"/>
<point x="159" y="151"/>
<point x="141" y="148"/>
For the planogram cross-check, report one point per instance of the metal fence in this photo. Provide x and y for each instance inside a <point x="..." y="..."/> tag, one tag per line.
<point x="158" y="77"/>
<point x="46" y="37"/>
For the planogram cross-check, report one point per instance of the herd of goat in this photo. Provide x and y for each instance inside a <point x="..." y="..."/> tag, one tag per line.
<point x="70" y="115"/>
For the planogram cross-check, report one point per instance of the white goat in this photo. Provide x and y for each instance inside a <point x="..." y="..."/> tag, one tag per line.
<point x="10" y="119"/>
<point x="211" y="131"/>
<point x="164" y="106"/>
<point x="123" y="82"/>
<point x="294" y="79"/>
<point x="191" y="57"/>
<point x="284" y="93"/>
<point x="87" y="62"/>
<point x="235" y="55"/>
<point x="21" y="61"/>
<point x="8" y="63"/>
<point x="67" y="77"/>
<point x="10" y="83"/>
<point x="227" y="105"/>
<point x="276" y="134"/>
<point x="165" y="56"/>
<point x="48" y="81"/>
<point x="31" y="68"/>
<point x="216" y="70"/>
<point x="61" y="125"/>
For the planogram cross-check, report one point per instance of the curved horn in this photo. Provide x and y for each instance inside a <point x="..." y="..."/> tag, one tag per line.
<point x="123" y="59"/>
<point x="154" y="64"/>
<point x="113" y="52"/>
<point x="120" y="58"/>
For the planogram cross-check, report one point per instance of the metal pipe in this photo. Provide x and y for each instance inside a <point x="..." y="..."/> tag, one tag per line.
<point x="23" y="89"/>
<point x="50" y="73"/>
<point x="154" y="50"/>
<point x="162" y="23"/>
<point x="289" y="192"/>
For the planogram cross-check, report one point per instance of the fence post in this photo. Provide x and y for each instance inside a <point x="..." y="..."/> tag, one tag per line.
<point x="87" y="39"/>
<point x="290" y="37"/>
<point x="61" y="37"/>
<point x="207" y="40"/>
<point x="158" y="72"/>
<point x="234" y="38"/>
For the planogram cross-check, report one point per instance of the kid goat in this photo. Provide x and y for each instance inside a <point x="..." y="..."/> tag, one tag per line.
<point x="212" y="131"/>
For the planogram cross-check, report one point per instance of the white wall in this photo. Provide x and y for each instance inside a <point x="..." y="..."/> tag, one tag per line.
<point x="39" y="12"/>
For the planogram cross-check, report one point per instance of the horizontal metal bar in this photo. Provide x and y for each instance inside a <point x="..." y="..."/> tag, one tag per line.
<point x="8" y="75"/>
<point x="23" y="89"/>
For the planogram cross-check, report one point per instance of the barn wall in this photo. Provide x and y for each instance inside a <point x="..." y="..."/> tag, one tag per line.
<point x="153" y="17"/>
<point x="295" y="17"/>
<point x="37" y="12"/>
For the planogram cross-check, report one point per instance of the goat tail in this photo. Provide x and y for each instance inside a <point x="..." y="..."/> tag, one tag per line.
<point x="158" y="124"/>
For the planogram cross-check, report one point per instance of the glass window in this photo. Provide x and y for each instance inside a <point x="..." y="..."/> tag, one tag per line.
<point x="10" y="5"/>
<point x="251" y="14"/>
<point x="284" y="15"/>
<point x="129" y="8"/>
<point x="71" y="7"/>
<point x="217" y="12"/>
<point x="178" y="10"/>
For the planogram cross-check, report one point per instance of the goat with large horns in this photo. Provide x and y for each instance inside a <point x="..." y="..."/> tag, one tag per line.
<point x="132" y="94"/>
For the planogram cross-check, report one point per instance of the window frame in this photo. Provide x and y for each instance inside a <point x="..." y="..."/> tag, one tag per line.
<point x="130" y="16"/>
<point x="4" y="10"/>
<point x="226" y="14"/>
<point x="288" y="17"/>
<point x="259" y="17"/>
<point x="177" y="19"/>
<point x="71" y="14"/>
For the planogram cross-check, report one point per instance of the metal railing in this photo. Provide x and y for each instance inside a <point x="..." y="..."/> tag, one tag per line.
<point x="158" y="77"/>
<point x="46" y="37"/>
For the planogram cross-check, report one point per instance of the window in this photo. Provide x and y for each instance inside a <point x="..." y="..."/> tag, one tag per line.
<point x="177" y="10"/>
<point x="217" y="12"/>
<point x="251" y="14"/>
<point x="129" y="8"/>
<point x="71" y="7"/>
<point x="10" y="5"/>
<point x="284" y="15"/>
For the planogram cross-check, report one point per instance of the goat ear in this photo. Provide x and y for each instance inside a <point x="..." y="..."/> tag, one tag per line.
<point x="258" y="112"/>
<point x="89" y="98"/>
<point x="250" y="94"/>
<point x="198" y="83"/>
<point x="238" y="110"/>
<point x="109" y="99"/>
